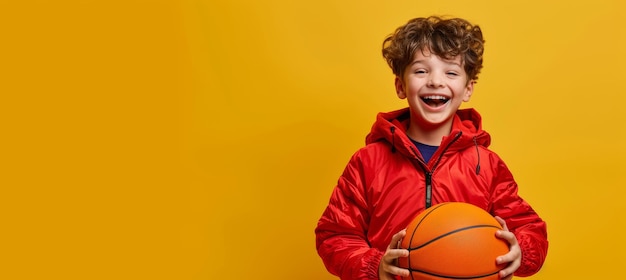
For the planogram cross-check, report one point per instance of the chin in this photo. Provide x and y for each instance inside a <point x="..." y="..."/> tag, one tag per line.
<point x="434" y="122"/>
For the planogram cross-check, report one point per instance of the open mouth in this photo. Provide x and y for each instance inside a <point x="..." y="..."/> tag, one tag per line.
<point x="435" y="100"/>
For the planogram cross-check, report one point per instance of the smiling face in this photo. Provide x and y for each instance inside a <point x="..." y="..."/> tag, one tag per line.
<point x="434" y="88"/>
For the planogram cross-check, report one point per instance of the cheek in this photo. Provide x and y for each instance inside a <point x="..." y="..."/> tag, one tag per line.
<point x="413" y="88"/>
<point x="464" y="92"/>
<point x="466" y="96"/>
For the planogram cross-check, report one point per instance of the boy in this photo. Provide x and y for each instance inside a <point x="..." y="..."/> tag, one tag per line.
<point x="428" y="153"/>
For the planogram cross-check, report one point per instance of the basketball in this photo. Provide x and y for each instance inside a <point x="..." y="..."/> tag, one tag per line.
<point x="453" y="240"/>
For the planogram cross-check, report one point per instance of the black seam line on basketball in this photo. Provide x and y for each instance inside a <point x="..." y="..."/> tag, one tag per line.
<point x="423" y="218"/>
<point x="418" y="225"/>
<point x="449" y="233"/>
<point x="451" y="277"/>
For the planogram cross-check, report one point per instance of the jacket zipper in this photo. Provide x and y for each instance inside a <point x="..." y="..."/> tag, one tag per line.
<point x="429" y="173"/>
<point x="429" y="189"/>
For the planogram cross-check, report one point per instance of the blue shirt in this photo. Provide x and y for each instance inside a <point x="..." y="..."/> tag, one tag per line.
<point x="427" y="151"/>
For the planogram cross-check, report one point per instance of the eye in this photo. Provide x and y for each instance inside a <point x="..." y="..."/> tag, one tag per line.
<point x="452" y="73"/>
<point x="420" y="71"/>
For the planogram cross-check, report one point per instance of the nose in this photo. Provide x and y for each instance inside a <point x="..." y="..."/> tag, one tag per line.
<point x="434" y="80"/>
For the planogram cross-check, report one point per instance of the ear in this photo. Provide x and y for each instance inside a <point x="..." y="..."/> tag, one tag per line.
<point x="400" y="91"/>
<point x="469" y="89"/>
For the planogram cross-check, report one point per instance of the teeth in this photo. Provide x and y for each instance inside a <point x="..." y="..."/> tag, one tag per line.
<point x="435" y="97"/>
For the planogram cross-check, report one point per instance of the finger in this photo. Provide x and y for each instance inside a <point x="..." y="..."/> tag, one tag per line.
<point x="512" y="256"/>
<point x="392" y="254"/>
<point x="507" y="235"/>
<point x="391" y="266"/>
<point x="507" y="258"/>
<point x="507" y="273"/>
<point x="389" y="259"/>
<point x="502" y="223"/>
<point x="397" y="271"/>
<point x="514" y="260"/>
<point x="396" y="239"/>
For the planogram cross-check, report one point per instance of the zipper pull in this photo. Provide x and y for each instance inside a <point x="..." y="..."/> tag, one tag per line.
<point x="429" y="191"/>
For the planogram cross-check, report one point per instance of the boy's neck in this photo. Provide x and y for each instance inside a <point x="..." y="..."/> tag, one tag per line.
<point x="429" y="135"/>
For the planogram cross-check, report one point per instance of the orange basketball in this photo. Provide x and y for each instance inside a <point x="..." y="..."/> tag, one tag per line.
<point x="453" y="240"/>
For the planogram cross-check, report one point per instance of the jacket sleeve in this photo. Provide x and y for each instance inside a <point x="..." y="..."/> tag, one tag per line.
<point x="529" y="229"/>
<point x="341" y="232"/>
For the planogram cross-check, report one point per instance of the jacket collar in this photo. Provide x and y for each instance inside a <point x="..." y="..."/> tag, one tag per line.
<point x="391" y="127"/>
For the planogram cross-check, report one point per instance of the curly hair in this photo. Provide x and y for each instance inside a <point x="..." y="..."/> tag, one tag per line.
<point x="446" y="38"/>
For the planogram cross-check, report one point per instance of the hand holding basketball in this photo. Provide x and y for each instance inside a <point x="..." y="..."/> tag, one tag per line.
<point x="387" y="268"/>
<point x="514" y="256"/>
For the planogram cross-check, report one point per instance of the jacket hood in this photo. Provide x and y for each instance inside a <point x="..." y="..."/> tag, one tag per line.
<point x="392" y="126"/>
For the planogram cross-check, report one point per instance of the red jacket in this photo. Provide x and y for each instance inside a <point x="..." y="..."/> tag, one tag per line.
<point x="386" y="184"/>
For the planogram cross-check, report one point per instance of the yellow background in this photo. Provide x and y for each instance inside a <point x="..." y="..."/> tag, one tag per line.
<point x="202" y="139"/>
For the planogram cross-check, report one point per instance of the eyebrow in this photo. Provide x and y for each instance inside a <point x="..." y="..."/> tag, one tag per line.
<point x="445" y="60"/>
<point x="454" y="62"/>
